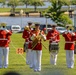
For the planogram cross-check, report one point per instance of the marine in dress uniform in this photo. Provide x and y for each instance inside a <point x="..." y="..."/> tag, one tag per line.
<point x="27" y="44"/>
<point x="4" y="46"/>
<point x="54" y="38"/>
<point x="31" y="55"/>
<point x="36" y="38"/>
<point x="69" y="37"/>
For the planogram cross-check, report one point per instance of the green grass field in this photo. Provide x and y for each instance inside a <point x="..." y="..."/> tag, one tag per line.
<point x="17" y="62"/>
<point x="18" y="9"/>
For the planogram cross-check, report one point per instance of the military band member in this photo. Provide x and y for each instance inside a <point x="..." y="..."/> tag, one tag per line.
<point x="69" y="37"/>
<point x="31" y="56"/>
<point x="30" y="48"/>
<point x="54" y="38"/>
<point x="26" y="36"/>
<point x="37" y="36"/>
<point x="4" y="46"/>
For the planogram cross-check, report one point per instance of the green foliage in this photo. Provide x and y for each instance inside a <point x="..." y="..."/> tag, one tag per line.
<point x="3" y="2"/>
<point x="64" y="19"/>
<point x="60" y="2"/>
<point x="26" y="2"/>
<point x="36" y="3"/>
<point x="73" y="2"/>
<point x="13" y="3"/>
<point x="55" y="13"/>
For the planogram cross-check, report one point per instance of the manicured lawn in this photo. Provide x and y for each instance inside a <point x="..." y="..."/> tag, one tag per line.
<point x="18" y="9"/>
<point x="17" y="62"/>
<point x="5" y="9"/>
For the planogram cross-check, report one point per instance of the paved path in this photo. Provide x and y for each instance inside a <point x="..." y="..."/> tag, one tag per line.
<point x="17" y="14"/>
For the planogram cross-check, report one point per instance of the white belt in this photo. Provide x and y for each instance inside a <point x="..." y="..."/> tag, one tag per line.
<point x="54" y="43"/>
<point x="27" y="42"/>
<point x="30" y="41"/>
<point x="3" y="39"/>
<point x="68" y="42"/>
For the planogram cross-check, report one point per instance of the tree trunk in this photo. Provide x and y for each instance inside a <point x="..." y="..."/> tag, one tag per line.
<point x="26" y="5"/>
<point x="35" y="7"/>
<point x="12" y="11"/>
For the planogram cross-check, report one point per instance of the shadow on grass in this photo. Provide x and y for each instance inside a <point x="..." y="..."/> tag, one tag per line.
<point x="17" y="65"/>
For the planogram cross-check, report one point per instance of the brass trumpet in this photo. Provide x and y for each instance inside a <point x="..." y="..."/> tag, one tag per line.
<point x="27" y="28"/>
<point x="36" y="40"/>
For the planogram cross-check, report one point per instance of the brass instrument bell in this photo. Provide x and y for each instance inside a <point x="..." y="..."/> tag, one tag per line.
<point x="27" y="28"/>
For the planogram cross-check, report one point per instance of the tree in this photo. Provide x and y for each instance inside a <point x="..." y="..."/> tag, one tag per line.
<point x="36" y="3"/>
<point x="3" y="2"/>
<point x="26" y="2"/>
<point x="13" y="4"/>
<point x="55" y="13"/>
<point x="73" y="2"/>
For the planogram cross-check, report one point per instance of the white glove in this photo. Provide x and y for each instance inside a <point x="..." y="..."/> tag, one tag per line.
<point x="33" y="37"/>
<point x="73" y="34"/>
<point x="66" y="32"/>
<point x="43" y="36"/>
<point x="7" y="30"/>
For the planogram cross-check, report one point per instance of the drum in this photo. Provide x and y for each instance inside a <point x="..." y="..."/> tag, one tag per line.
<point x="25" y="47"/>
<point x="75" y="49"/>
<point x="53" y="47"/>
